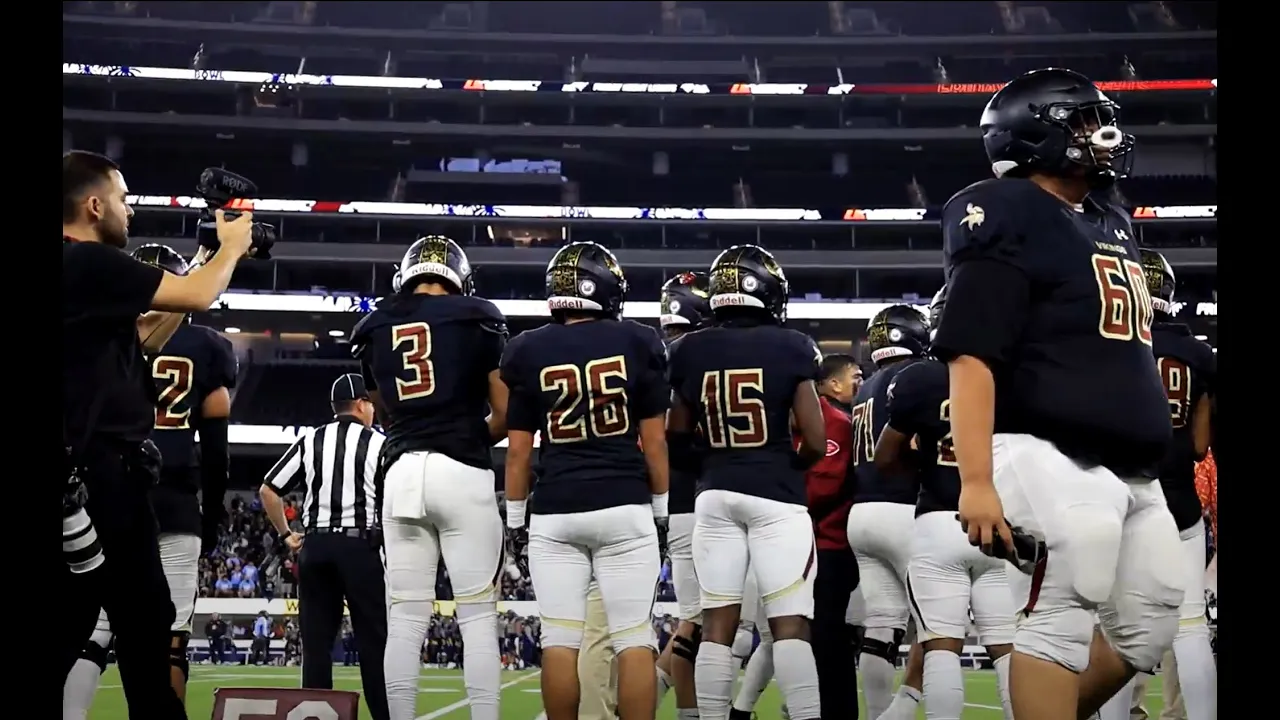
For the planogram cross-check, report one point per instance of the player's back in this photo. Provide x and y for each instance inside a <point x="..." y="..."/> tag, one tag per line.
<point x="194" y="363"/>
<point x="1083" y="375"/>
<point x="919" y="406"/>
<point x="429" y="358"/>
<point x="740" y="381"/>
<point x="586" y="386"/>
<point x="1187" y="369"/>
<point x="870" y="414"/>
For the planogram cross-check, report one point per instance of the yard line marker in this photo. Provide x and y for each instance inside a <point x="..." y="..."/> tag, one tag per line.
<point x="465" y="702"/>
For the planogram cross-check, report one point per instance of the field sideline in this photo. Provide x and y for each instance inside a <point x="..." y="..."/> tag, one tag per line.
<point x="442" y="696"/>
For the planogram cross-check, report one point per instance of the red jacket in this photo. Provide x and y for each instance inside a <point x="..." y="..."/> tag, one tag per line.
<point x="826" y="485"/>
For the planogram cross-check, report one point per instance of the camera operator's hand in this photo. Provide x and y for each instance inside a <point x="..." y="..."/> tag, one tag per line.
<point x="236" y="235"/>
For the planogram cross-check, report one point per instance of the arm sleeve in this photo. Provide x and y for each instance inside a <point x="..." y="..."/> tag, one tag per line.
<point x="225" y="367"/>
<point x="522" y="402"/>
<point x="284" y="476"/>
<point x="987" y="308"/>
<point x="101" y="280"/>
<point x="655" y="392"/>
<point x="215" y="463"/>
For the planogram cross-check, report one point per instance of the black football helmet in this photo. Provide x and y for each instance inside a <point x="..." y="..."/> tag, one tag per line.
<point x="1161" y="282"/>
<point x="162" y="256"/>
<point x="686" y="301"/>
<point x="897" y="331"/>
<point x="585" y="277"/>
<point x="935" y="310"/>
<point x="747" y="276"/>
<point x="434" y="258"/>
<point x="1057" y="122"/>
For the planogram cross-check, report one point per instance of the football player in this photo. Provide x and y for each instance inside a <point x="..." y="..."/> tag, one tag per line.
<point x="946" y="576"/>
<point x="1188" y="368"/>
<point x="194" y="372"/>
<point x="883" y="507"/>
<point x="1057" y="408"/>
<point x="429" y="354"/>
<point x="685" y="306"/>
<point x="829" y="494"/>
<point x="595" y="387"/>
<point x="741" y="381"/>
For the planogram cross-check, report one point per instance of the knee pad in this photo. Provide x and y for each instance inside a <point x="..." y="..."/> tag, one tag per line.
<point x="1143" y="644"/>
<point x="687" y="648"/>
<point x="178" y="653"/>
<point x="1092" y="550"/>
<point x="1059" y="635"/>
<point x="561" y="633"/>
<point x="1193" y="628"/>
<point x="883" y="643"/>
<point x="96" y="654"/>
<point x="742" y="642"/>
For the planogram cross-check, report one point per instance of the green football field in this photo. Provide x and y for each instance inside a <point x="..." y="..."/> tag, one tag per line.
<point x="442" y="696"/>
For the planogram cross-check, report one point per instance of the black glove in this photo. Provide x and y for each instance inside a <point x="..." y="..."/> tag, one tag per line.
<point x="664" y="526"/>
<point x="1027" y="550"/>
<point x="517" y="541"/>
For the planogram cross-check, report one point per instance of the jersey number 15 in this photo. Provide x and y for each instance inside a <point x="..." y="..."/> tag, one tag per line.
<point x="725" y="399"/>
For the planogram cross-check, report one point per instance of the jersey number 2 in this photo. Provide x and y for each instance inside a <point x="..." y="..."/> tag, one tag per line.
<point x="177" y="374"/>
<point x="606" y="409"/>
<point x="946" y="447"/>
<point x="415" y="338"/>
<point x="1126" y="302"/>
<point x="725" y="399"/>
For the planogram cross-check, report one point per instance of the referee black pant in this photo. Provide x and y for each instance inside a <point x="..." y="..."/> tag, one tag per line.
<point x="130" y="584"/>
<point x="831" y="638"/>
<point x="333" y="565"/>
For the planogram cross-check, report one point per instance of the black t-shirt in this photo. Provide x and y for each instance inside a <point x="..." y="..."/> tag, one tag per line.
<point x="103" y="293"/>
<point x="869" y="415"/>
<point x="585" y="387"/>
<point x="429" y="357"/>
<point x="1054" y="300"/>
<point x="739" y="380"/>
<point x="1188" y="368"/>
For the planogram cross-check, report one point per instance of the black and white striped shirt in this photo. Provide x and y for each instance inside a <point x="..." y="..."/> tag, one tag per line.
<point x="338" y="463"/>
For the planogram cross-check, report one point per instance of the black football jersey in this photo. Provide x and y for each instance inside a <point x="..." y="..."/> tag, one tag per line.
<point x="740" y="380"/>
<point x="1188" y="369"/>
<point x="684" y="486"/>
<point x="193" y="364"/>
<point x="1076" y="365"/>
<point x="429" y="358"/>
<point x="920" y="406"/>
<point x="585" y="387"/>
<point x="870" y="414"/>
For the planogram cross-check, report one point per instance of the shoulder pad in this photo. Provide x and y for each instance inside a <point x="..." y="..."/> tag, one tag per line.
<point x="366" y="325"/>
<point x="983" y="220"/>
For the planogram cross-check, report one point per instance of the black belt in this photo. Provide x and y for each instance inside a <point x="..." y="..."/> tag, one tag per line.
<point x="363" y="533"/>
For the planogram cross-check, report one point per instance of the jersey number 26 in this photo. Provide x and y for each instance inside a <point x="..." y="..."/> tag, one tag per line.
<point x="601" y="386"/>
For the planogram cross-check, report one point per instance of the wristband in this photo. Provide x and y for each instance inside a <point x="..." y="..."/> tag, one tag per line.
<point x="516" y="511"/>
<point x="660" y="506"/>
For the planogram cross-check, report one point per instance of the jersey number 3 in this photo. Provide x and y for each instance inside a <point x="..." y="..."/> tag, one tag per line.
<point x="725" y="399"/>
<point x="605" y="398"/>
<point x="415" y="339"/>
<point x="176" y="374"/>
<point x="1126" y="303"/>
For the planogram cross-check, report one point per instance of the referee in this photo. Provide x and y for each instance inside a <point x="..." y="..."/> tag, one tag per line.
<point x="108" y="410"/>
<point x="339" y="556"/>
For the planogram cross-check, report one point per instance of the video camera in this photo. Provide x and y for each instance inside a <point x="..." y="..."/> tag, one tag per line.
<point x="229" y="192"/>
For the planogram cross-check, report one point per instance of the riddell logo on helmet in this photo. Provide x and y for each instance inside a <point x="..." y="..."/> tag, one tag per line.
<point x="284" y="704"/>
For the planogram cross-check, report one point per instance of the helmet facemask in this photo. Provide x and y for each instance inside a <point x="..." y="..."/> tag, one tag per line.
<point x="1094" y="140"/>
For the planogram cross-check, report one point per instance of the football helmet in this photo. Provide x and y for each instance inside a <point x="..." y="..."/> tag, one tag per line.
<point x="1161" y="282"/>
<point x="584" y="277"/>
<point x="162" y="256"/>
<point x="686" y="301"/>
<point x="748" y="276"/>
<point x="434" y="258"/>
<point x="898" y="331"/>
<point x="1057" y="122"/>
<point x="935" y="311"/>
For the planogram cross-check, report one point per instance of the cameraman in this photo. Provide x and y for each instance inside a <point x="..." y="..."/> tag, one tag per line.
<point x="108" y="412"/>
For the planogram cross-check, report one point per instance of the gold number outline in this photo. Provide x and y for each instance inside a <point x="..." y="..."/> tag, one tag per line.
<point x="416" y="360"/>
<point x="946" y="447"/>
<point x="179" y="373"/>
<point x="607" y="406"/>
<point x="1124" y="298"/>
<point x="1175" y="375"/>
<point x="724" y="399"/>
<point x="864" y="441"/>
